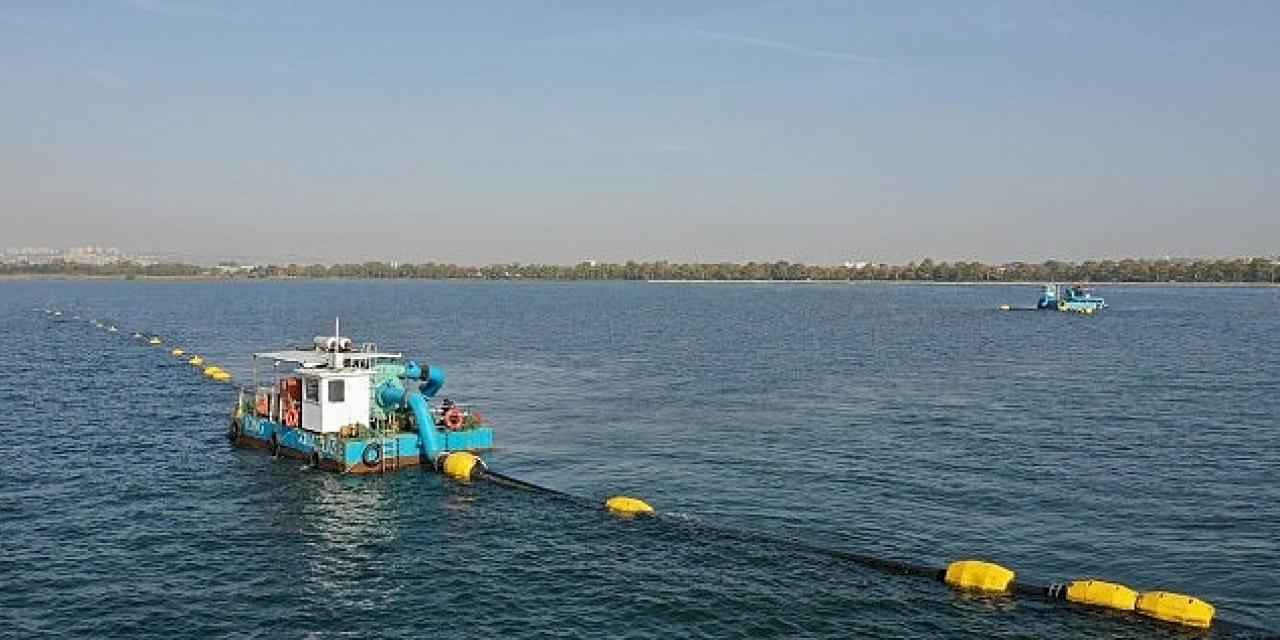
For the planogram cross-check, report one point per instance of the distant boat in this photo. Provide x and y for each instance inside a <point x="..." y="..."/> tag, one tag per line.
<point x="1076" y="298"/>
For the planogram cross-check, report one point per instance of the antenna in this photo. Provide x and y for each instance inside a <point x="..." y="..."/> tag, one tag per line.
<point x="336" y="360"/>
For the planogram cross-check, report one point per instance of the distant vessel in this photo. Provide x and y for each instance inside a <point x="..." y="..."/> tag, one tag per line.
<point x="1077" y="298"/>
<point x="356" y="410"/>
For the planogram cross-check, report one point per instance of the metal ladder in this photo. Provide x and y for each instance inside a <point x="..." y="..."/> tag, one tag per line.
<point x="390" y="451"/>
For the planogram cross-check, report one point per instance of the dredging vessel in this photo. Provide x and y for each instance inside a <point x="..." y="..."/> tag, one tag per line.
<point x="1077" y="298"/>
<point x="354" y="409"/>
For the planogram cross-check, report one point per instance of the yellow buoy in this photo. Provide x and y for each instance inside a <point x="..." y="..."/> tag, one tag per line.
<point x="195" y="361"/>
<point x="459" y="465"/>
<point x="1175" y="607"/>
<point x="212" y="371"/>
<point x="177" y="353"/>
<point x="221" y="376"/>
<point x="1102" y="594"/>
<point x="978" y="575"/>
<point x="628" y="506"/>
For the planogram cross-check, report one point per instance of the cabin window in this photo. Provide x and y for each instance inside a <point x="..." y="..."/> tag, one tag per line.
<point x="313" y="390"/>
<point x="337" y="391"/>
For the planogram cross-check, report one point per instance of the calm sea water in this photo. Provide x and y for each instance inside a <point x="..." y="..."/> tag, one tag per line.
<point x="914" y="422"/>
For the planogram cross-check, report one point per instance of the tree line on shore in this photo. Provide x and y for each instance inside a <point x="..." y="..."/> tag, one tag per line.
<point x="1265" y="270"/>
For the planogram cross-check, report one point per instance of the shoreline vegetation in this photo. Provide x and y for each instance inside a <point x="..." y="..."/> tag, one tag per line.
<point x="1255" y="271"/>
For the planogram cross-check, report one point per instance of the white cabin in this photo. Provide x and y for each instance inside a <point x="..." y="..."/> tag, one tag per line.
<point x="334" y="399"/>
<point x="336" y="384"/>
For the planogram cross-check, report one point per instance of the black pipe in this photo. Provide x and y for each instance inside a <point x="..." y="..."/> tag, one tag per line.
<point x="503" y="479"/>
<point x="1052" y="592"/>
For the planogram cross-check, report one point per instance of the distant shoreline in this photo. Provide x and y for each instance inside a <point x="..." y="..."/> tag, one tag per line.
<point x="981" y="283"/>
<point x="19" y="277"/>
<point x="1219" y="271"/>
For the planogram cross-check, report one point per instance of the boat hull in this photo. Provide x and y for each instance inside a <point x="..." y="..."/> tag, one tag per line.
<point x="354" y="455"/>
<point x="1082" y="305"/>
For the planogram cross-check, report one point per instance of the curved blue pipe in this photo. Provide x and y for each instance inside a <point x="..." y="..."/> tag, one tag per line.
<point x="393" y="396"/>
<point x="432" y="377"/>
<point x="428" y="435"/>
<point x="435" y="380"/>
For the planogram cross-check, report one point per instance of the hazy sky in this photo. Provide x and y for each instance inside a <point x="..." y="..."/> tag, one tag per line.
<point x="478" y="132"/>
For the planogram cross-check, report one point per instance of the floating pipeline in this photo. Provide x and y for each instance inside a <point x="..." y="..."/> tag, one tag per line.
<point x="991" y="578"/>
<point x="625" y="506"/>
<point x="216" y="374"/>
<point x="460" y="465"/>
<point x="968" y="575"/>
<point x="628" y="506"/>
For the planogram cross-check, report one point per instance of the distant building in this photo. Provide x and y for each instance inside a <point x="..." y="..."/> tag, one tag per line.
<point x="856" y="264"/>
<point x="93" y="255"/>
<point x="96" y="256"/>
<point x="30" y="255"/>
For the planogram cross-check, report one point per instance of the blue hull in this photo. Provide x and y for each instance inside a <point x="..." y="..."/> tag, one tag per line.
<point x="351" y="455"/>
<point x="1084" y="305"/>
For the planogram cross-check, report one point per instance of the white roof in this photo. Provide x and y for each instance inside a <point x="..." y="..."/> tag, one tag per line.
<point x="317" y="372"/>
<point x="312" y="358"/>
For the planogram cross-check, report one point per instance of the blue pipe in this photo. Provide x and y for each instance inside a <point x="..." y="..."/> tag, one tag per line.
<point x="435" y="380"/>
<point x="432" y="381"/>
<point x="393" y="396"/>
<point x="428" y="435"/>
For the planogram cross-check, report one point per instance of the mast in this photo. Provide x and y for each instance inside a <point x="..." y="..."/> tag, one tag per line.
<point x="336" y="360"/>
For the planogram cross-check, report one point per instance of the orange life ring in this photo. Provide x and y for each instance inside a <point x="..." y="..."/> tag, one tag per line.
<point x="453" y="419"/>
<point x="291" y="416"/>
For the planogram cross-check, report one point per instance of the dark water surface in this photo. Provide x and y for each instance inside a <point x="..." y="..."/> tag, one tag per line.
<point x="915" y="422"/>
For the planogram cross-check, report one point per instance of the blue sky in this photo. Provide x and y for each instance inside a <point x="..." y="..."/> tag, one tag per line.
<point x="480" y="132"/>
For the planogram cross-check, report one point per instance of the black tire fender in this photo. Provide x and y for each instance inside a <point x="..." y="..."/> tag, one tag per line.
<point x="372" y="454"/>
